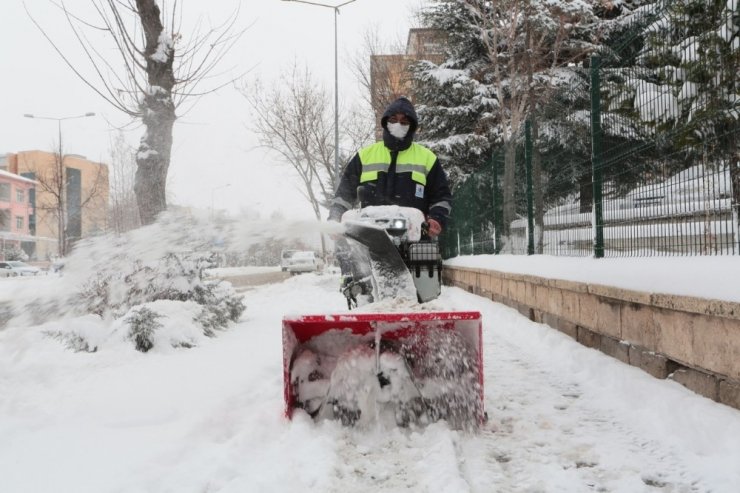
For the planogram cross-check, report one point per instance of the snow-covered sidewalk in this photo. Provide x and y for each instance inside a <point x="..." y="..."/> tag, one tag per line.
<point x="562" y="417"/>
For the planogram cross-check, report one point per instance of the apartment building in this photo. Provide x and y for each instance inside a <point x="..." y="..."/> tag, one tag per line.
<point x="72" y="197"/>
<point x="390" y="75"/>
<point x="16" y="212"/>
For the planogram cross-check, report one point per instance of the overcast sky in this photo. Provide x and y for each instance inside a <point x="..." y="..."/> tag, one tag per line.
<point x="212" y="144"/>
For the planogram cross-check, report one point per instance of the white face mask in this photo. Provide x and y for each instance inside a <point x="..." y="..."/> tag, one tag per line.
<point x="398" y="130"/>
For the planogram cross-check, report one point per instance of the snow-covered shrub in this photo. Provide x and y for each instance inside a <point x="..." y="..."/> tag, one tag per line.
<point x="142" y="325"/>
<point x="72" y="341"/>
<point x="159" y="266"/>
<point x="15" y="253"/>
<point x="221" y="304"/>
<point x="177" y="277"/>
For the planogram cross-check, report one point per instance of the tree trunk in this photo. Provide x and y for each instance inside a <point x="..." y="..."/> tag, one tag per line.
<point x="509" y="206"/>
<point x="158" y="115"/>
<point x="539" y="192"/>
<point x="153" y="158"/>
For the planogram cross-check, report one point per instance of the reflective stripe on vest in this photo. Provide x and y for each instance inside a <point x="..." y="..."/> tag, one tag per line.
<point x="417" y="160"/>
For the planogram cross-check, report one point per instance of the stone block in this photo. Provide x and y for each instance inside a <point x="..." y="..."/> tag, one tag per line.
<point x="615" y="348"/>
<point x="608" y="317"/>
<point x="541" y="297"/>
<point x="718" y="308"/>
<point x="698" y="381"/>
<point x="569" y="307"/>
<point x="601" y="315"/>
<point x="700" y="341"/>
<point x="623" y="295"/>
<point x="586" y="314"/>
<point x="554" y="300"/>
<point x="638" y="325"/>
<point x="520" y="292"/>
<point x="729" y="393"/>
<point x="651" y="362"/>
<point x="564" y="326"/>
<point x="497" y="284"/>
<point x="588" y="337"/>
<point x="485" y="282"/>
<point x="524" y="309"/>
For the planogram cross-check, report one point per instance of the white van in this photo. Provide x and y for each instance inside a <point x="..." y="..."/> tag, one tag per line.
<point x="295" y="261"/>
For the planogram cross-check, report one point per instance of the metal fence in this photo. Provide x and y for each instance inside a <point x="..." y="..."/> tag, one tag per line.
<point x="636" y="152"/>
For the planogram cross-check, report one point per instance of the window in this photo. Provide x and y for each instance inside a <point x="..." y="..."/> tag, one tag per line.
<point x="4" y="192"/>
<point x="20" y="195"/>
<point x="4" y="220"/>
<point x="19" y="223"/>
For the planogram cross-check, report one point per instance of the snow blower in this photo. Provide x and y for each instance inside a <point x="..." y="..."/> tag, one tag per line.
<point x="408" y="368"/>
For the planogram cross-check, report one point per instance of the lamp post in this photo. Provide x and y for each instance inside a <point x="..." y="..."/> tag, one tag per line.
<point x="59" y="184"/>
<point x="336" y="80"/>
<point x="213" y="190"/>
<point x="59" y="121"/>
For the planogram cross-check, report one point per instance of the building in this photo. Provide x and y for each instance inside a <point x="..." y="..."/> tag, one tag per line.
<point x="390" y="75"/>
<point x="16" y="212"/>
<point x="72" y="198"/>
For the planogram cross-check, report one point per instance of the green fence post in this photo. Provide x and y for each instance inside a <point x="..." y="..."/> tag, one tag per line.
<point x="530" y="195"/>
<point x="598" y="209"/>
<point x="496" y="216"/>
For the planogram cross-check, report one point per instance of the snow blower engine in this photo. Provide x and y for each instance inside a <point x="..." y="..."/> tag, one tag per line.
<point x="393" y="242"/>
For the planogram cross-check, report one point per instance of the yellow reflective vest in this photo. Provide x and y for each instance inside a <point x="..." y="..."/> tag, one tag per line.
<point x="376" y="158"/>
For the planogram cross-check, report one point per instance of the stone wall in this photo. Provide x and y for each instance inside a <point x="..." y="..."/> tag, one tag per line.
<point x="694" y="341"/>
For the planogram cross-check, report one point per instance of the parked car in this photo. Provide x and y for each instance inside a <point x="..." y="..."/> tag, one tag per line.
<point x="12" y="268"/>
<point x="285" y="256"/>
<point x="302" y="261"/>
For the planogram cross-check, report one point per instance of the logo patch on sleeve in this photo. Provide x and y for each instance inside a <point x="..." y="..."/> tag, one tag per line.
<point x="419" y="191"/>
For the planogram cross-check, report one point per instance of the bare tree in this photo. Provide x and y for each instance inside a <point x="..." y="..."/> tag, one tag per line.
<point x="122" y="203"/>
<point x="381" y="69"/>
<point x="295" y="121"/>
<point x="158" y="73"/>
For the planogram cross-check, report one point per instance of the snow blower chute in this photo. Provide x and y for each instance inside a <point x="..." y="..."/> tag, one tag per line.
<point x="411" y="367"/>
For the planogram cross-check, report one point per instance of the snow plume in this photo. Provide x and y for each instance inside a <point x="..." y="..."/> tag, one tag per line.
<point x="367" y="380"/>
<point x="149" y="282"/>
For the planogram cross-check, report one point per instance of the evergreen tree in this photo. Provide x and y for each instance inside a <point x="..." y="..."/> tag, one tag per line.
<point x="503" y="60"/>
<point x="453" y="99"/>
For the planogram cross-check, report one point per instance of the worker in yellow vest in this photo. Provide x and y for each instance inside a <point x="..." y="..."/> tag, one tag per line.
<point x="396" y="171"/>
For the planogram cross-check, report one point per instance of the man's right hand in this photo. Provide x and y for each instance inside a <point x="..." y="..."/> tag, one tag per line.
<point x="435" y="229"/>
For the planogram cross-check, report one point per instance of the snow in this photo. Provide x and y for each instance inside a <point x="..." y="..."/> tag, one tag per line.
<point x="240" y="271"/>
<point x="702" y="277"/>
<point x="164" y="48"/>
<point x="562" y="417"/>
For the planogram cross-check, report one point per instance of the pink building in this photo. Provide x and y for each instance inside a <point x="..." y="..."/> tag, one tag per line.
<point x="16" y="213"/>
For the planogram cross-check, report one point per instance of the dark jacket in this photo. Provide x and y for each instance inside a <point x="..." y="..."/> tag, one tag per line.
<point x="397" y="185"/>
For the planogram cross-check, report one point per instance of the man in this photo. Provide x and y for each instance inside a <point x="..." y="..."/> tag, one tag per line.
<point x="396" y="171"/>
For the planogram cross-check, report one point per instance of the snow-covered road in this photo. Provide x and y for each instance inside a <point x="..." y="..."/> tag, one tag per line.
<point x="562" y="418"/>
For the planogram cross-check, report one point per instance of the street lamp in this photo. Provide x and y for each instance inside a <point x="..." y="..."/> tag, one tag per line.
<point x="213" y="190"/>
<point x="336" y="79"/>
<point x="59" y="121"/>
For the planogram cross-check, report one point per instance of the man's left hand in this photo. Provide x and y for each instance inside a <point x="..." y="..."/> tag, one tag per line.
<point x="435" y="229"/>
